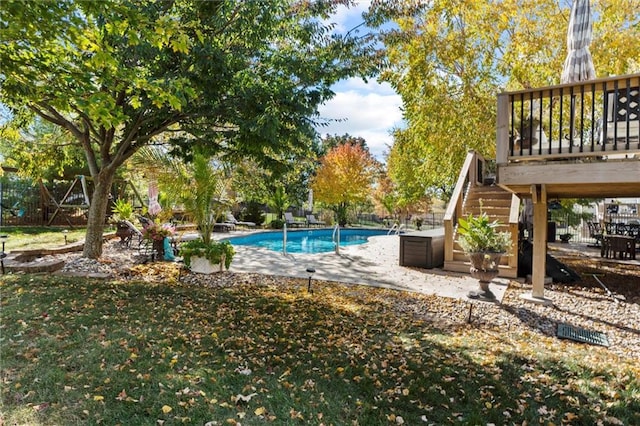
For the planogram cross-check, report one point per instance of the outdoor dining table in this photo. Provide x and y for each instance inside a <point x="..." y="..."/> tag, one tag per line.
<point x="620" y="245"/>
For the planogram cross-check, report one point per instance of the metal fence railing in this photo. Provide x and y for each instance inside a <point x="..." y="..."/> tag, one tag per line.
<point x="578" y="227"/>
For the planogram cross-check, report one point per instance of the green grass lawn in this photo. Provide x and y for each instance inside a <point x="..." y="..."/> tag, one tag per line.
<point x="77" y="351"/>
<point x="35" y="237"/>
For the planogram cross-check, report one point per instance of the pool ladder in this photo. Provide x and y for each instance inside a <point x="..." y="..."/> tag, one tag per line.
<point x="284" y="239"/>
<point x="336" y="238"/>
<point x="397" y="228"/>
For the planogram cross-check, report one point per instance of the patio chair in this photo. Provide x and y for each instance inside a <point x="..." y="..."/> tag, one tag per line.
<point x="595" y="232"/>
<point x="291" y="221"/>
<point x="231" y="219"/>
<point x="224" y="227"/>
<point x="532" y="134"/>
<point x="126" y="231"/>
<point x="311" y="220"/>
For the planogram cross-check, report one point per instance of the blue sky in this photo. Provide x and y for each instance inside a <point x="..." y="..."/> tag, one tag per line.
<point x="368" y="110"/>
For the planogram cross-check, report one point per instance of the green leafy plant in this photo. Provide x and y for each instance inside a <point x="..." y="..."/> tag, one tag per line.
<point x="276" y="224"/>
<point x="122" y="210"/>
<point x="479" y="234"/>
<point x="253" y="212"/>
<point x="279" y="201"/>
<point x="213" y="251"/>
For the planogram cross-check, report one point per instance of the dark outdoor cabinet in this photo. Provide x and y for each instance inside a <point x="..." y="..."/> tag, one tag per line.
<point x="551" y="232"/>
<point x="422" y="249"/>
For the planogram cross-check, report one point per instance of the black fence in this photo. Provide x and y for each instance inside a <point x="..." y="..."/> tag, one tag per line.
<point x="28" y="202"/>
<point x="577" y="230"/>
<point x="413" y="222"/>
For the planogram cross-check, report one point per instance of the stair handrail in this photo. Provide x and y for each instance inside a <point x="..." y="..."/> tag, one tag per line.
<point x="454" y="208"/>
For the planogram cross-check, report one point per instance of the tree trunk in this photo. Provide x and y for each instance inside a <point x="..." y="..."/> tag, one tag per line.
<point x="97" y="212"/>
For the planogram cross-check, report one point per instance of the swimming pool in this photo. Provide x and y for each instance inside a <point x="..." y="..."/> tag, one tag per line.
<point x="309" y="241"/>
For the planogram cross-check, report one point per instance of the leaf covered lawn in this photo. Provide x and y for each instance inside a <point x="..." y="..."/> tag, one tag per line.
<point x="265" y="350"/>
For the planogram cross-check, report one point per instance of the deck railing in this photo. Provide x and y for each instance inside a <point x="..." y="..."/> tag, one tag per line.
<point x="586" y="119"/>
<point x="471" y="174"/>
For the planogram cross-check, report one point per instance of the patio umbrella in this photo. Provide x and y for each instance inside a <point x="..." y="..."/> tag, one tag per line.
<point x="579" y="65"/>
<point x="154" y="206"/>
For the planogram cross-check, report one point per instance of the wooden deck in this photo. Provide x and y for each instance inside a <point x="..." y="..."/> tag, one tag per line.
<point x="579" y="140"/>
<point x="576" y="140"/>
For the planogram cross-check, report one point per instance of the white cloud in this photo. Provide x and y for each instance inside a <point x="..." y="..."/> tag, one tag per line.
<point x="369" y="111"/>
<point x="346" y="18"/>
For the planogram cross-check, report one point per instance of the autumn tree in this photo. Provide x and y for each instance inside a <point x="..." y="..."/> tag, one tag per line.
<point x="344" y="179"/>
<point x="245" y="78"/>
<point x="448" y="60"/>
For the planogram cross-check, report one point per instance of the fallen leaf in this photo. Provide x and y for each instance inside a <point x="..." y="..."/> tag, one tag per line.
<point x="166" y="409"/>
<point x="98" y="398"/>
<point x="260" y="411"/>
<point x="244" y="398"/>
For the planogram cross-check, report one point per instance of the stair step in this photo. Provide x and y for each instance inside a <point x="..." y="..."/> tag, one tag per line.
<point x="488" y="195"/>
<point x="457" y="266"/>
<point x="489" y="211"/>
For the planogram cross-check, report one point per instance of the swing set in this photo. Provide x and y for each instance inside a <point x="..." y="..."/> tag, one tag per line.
<point x="18" y="206"/>
<point x="64" y="204"/>
<point x="61" y="205"/>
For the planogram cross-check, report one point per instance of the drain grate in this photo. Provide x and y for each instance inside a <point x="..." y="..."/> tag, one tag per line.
<point x="566" y="331"/>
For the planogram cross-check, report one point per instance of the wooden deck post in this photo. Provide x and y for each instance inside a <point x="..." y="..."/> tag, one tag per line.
<point x="539" y="264"/>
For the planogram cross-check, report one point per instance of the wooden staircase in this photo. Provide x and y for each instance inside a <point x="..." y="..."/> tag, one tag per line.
<point x="474" y="197"/>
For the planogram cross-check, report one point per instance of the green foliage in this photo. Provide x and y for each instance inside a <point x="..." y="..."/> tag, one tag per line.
<point x="330" y="142"/>
<point x="479" y="234"/>
<point x="123" y="210"/>
<point x="243" y="78"/>
<point x="276" y="223"/>
<point x="448" y="60"/>
<point x="568" y="215"/>
<point x="279" y="201"/>
<point x="203" y="196"/>
<point x="253" y="212"/>
<point x="39" y="149"/>
<point x="214" y="251"/>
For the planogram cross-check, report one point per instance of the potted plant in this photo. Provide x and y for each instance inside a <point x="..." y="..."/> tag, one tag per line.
<point x="565" y="237"/>
<point x="206" y="258"/>
<point x="203" y="190"/>
<point x="157" y="234"/>
<point x="485" y="245"/>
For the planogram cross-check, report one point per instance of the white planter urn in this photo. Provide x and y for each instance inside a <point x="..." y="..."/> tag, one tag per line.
<point x="201" y="265"/>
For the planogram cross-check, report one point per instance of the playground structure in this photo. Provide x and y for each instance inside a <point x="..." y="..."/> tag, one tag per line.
<point x="33" y="202"/>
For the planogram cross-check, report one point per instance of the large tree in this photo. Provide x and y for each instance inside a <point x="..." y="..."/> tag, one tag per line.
<point x="246" y="78"/>
<point x="449" y="59"/>
<point x="344" y="179"/>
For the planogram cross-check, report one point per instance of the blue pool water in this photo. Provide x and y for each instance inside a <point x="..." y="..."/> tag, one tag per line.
<point x="306" y="241"/>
